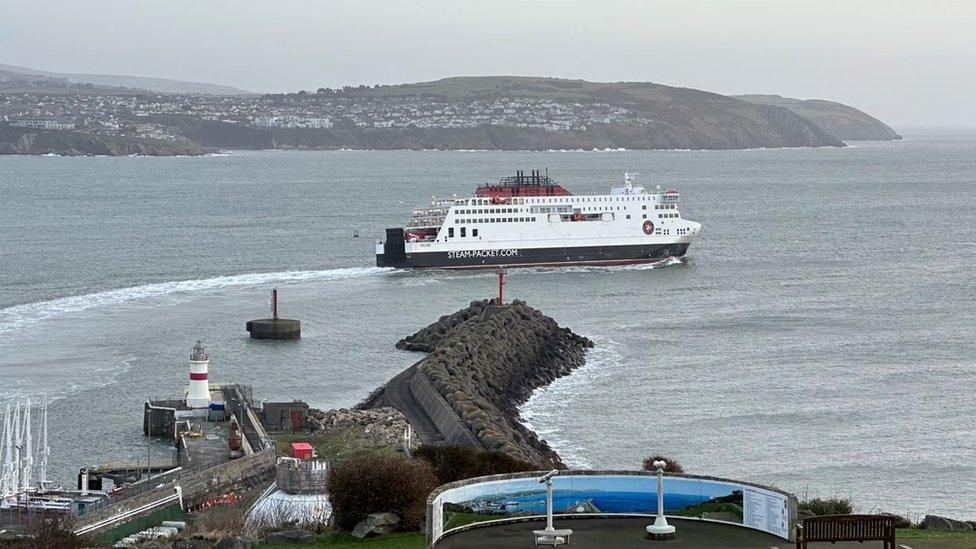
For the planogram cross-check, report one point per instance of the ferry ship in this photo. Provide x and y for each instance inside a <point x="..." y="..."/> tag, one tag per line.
<point x="531" y="220"/>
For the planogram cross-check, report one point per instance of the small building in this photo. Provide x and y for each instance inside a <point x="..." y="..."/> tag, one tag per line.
<point x="43" y="123"/>
<point x="284" y="416"/>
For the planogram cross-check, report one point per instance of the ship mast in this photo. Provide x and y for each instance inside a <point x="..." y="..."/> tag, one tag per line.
<point x="6" y="450"/>
<point x="43" y="450"/>
<point x="27" y="459"/>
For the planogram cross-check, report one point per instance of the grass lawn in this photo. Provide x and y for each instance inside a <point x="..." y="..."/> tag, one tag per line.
<point x="933" y="539"/>
<point x="332" y="445"/>
<point x="412" y="540"/>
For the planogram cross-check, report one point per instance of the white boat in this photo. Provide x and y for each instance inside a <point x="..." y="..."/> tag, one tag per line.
<point x="533" y="221"/>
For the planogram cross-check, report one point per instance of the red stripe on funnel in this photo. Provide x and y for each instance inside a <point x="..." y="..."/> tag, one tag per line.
<point x="198" y="377"/>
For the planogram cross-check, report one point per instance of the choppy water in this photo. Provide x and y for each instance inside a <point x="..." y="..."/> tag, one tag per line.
<point x="819" y="337"/>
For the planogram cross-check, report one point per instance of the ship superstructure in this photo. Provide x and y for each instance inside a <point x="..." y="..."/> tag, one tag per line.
<point x="531" y="219"/>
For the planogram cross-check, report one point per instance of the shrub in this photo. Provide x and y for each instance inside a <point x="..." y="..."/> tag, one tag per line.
<point x="451" y="462"/>
<point x="827" y="506"/>
<point x="54" y="531"/>
<point x="672" y="464"/>
<point x="900" y="521"/>
<point x="497" y="463"/>
<point x="376" y="484"/>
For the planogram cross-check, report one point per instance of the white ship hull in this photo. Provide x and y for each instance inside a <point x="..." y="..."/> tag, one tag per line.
<point x="629" y="225"/>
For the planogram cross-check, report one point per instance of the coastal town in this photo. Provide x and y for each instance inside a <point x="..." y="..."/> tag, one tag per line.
<point x="113" y="113"/>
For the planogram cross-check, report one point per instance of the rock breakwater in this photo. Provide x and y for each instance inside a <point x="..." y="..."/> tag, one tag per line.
<point x="485" y="361"/>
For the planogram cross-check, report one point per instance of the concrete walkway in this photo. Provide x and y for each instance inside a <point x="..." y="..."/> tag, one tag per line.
<point x="618" y="533"/>
<point x="397" y="394"/>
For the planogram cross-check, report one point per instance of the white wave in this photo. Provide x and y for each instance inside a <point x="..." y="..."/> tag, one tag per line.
<point x="20" y="316"/>
<point x="551" y="408"/>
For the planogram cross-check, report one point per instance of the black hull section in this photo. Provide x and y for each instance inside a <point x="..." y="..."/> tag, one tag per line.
<point x="589" y="255"/>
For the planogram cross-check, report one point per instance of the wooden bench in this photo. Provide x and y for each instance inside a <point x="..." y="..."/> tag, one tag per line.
<point x="835" y="528"/>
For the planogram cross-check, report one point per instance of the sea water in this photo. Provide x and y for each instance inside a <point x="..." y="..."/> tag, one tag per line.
<point x="818" y="337"/>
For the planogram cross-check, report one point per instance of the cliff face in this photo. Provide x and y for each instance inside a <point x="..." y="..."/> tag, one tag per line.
<point x="845" y="122"/>
<point x="21" y="141"/>
<point x="485" y="363"/>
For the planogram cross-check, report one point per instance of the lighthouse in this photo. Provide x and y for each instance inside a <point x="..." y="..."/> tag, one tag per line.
<point x="198" y="395"/>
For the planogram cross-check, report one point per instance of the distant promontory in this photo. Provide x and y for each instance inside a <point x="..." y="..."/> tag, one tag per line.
<point x="485" y="113"/>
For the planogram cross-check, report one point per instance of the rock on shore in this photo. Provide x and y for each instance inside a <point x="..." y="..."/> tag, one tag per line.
<point x="485" y="363"/>
<point x="374" y="428"/>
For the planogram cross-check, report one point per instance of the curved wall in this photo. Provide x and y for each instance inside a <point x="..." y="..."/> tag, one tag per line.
<point x="520" y="495"/>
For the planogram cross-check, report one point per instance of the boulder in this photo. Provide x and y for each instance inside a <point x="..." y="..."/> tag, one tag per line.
<point x="192" y="544"/>
<point x="289" y="536"/>
<point x="376" y="524"/>
<point x="935" y="522"/>
<point x="234" y="543"/>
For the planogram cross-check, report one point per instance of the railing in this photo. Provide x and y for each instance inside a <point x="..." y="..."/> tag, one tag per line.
<point x="204" y="477"/>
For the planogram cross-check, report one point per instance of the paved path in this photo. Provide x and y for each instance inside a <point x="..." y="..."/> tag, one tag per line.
<point x="397" y="394"/>
<point x="617" y="533"/>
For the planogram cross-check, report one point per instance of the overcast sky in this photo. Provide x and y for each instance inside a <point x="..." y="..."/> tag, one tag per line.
<point x="908" y="63"/>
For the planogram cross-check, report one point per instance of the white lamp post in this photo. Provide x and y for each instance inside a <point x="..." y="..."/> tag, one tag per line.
<point x="660" y="529"/>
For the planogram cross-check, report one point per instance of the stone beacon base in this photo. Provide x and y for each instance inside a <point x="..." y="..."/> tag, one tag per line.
<point x="275" y="328"/>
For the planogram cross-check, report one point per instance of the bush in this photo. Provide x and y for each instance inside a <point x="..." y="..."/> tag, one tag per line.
<point x="900" y="521"/>
<point x="451" y="462"/>
<point x="376" y="484"/>
<point x="497" y="463"/>
<point x="672" y="464"/>
<point x="828" y="506"/>
<point x="54" y="531"/>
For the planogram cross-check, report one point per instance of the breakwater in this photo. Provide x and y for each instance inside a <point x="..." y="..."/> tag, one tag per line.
<point x="483" y="362"/>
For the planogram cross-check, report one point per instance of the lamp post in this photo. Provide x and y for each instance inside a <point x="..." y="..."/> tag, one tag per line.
<point x="660" y="529"/>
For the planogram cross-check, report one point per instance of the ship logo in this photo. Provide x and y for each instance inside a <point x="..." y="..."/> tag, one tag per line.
<point x="648" y="227"/>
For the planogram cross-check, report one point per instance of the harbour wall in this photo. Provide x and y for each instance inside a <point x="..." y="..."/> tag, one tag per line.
<point x="483" y="361"/>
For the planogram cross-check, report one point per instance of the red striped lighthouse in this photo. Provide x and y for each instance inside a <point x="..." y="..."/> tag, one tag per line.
<point x="198" y="394"/>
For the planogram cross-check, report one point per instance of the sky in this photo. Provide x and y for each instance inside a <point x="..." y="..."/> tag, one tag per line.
<point x="910" y="64"/>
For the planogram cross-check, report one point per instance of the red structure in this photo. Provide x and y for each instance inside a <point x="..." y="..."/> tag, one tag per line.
<point x="535" y="184"/>
<point x="302" y="450"/>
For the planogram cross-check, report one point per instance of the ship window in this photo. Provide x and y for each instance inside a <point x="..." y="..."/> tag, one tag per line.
<point x="660" y="216"/>
<point x="533" y="219"/>
<point x="644" y="216"/>
<point x="628" y="216"/>
<point x="474" y="232"/>
<point x="644" y="207"/>
<point x="450" y="232"/>
<point x="462" y="232"/>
